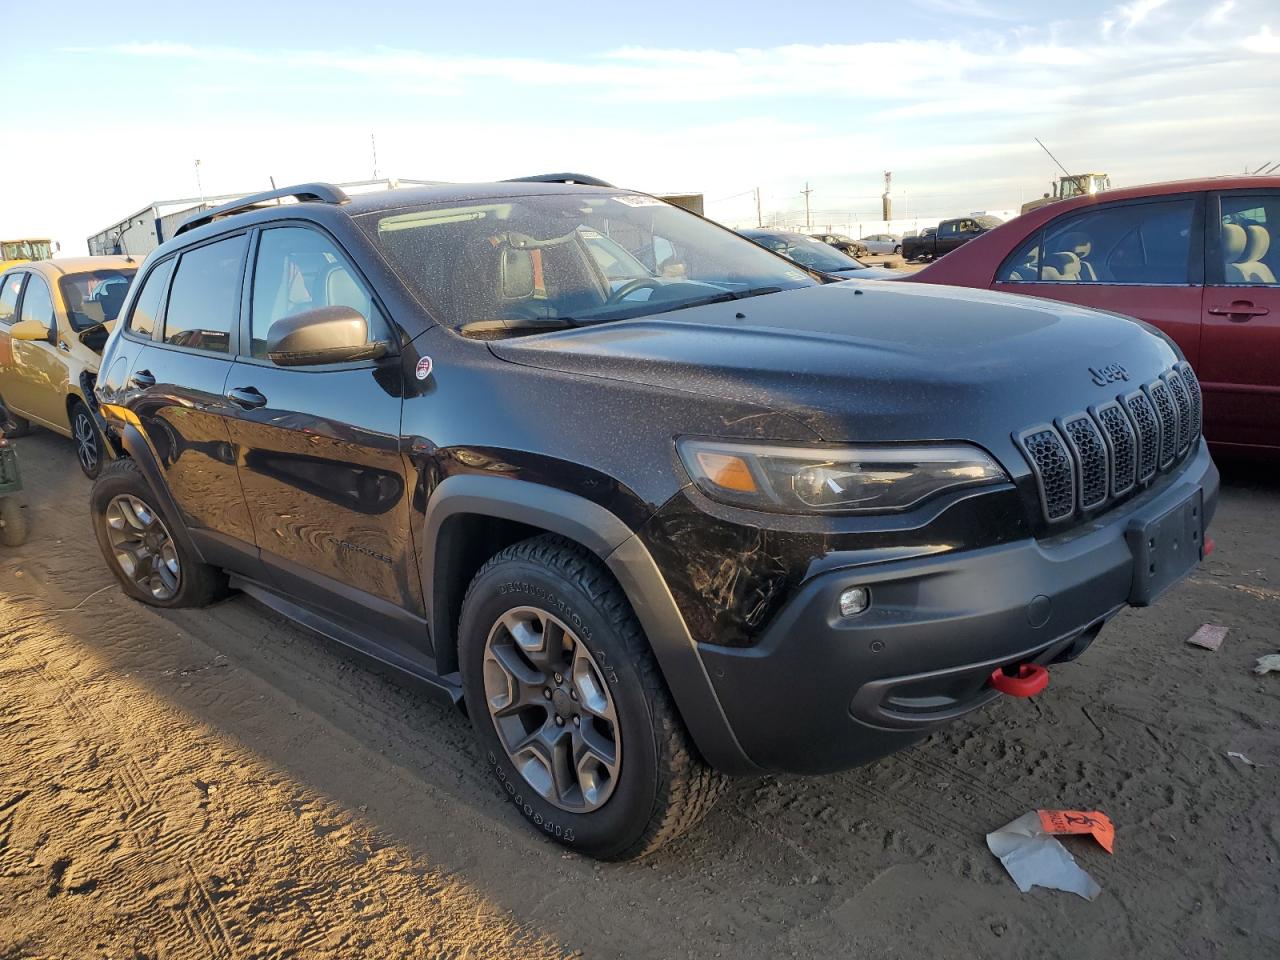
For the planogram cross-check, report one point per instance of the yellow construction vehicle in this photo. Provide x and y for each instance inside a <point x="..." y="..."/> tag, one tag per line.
<point x="18" y="251"/>
<point x="1071" y="185"/>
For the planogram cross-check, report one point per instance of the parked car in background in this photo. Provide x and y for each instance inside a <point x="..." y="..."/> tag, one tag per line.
<point x="846" y="245"/>
<point x="813" y="254"/>
<point x="729" y="517"/>
<point x="55" y="316"/>
<point x="886" y="244"/>
<point x="1198" y="259"/>
<point x="949" y="235"/>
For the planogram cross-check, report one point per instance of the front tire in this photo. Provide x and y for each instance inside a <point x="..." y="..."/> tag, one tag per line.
<point x="570" y="708"/>
<point x="90" y="450"/>
<point x="136" y="540"/>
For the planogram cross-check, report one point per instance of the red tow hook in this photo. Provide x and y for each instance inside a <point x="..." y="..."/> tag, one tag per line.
<point x="1030" y="679"/>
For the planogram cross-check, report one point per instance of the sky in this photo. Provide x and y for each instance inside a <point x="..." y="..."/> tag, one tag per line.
<point x="107" y="107"/>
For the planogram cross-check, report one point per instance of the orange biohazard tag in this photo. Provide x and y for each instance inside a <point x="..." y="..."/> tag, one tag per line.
<point x="1078" y="821"/>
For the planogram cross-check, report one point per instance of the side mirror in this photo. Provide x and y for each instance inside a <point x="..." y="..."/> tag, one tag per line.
<point x="322" y="335"/>
<point x="32" y="330"/>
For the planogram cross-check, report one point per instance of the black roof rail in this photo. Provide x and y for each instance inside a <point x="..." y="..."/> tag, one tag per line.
<point x="318" y="192"/>
<point x="581" y="178"/>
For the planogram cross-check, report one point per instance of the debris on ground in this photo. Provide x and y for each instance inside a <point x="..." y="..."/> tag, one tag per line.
<point x="1034" y="857"/>
<point x="1269" y="663"/>
<point x="1209" y="636"/>
<point x="1237" y="755"/>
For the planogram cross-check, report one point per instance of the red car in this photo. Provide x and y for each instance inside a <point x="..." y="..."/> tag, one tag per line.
<point x="1199" y="259"/>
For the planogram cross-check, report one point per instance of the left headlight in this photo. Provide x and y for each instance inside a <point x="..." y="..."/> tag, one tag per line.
<point x="854" y="479"/>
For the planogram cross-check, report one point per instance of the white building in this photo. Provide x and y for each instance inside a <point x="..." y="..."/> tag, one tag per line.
<point x="141" y="232"/>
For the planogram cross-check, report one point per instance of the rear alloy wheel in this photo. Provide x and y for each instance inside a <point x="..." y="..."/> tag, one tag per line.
<point x="137" y="541"/>
<point x="143" y="548"/>
<point x="87" y="439"/>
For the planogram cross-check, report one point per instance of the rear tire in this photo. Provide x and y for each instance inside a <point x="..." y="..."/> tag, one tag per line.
<point x="90" y="450"/>
<point x="13" y="522"/>
<point x="551" y="715"/>
<point x="136" y="539"/>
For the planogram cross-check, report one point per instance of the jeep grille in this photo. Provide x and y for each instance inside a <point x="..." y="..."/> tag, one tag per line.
<point x="1086" y="461"/>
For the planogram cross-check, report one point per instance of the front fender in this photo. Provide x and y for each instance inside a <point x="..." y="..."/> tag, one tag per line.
<point x="627" y="558"/>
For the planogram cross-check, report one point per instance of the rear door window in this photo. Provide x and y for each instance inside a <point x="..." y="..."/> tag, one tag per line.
<point x="1134" y="243"/>
<point x="142" y="319"/>
<point x="1249" y="254"/>
<point x="204" y="298"/>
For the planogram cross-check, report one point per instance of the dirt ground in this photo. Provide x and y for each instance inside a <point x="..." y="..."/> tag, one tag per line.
<point x="222" y="784"/>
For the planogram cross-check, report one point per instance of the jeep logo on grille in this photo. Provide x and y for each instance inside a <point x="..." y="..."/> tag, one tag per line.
<point x="1108" y="374"/>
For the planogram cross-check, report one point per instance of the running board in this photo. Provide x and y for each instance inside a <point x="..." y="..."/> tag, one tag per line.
<point x="408" y="665"/>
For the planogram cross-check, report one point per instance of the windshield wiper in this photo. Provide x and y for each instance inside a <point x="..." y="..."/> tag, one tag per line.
<point x="727" y="296"/>
<point x="515" y="327"/>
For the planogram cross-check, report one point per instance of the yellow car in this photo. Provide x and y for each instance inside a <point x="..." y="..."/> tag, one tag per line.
<point x="54" y="319"/>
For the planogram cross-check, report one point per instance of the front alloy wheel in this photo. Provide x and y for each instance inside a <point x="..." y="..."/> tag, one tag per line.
<point x="142" y="547"/>
<point x="552" y="710"/>
<point x="88" y="446"/>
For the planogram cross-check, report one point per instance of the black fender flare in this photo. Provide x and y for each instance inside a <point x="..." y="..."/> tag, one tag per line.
<point x="138" y="449"/>
<point x="627" y="558"/>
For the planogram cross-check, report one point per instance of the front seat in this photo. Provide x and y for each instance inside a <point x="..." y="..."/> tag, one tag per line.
<point x="1079" y="244"/>
<point x="1062" y="266"/>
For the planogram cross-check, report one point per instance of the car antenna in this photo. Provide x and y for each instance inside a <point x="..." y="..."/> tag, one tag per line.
<point x="1052" y="157"/>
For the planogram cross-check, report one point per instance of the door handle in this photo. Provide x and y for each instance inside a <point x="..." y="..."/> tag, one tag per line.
<point x="1244" y="309"/>
<point x="64" y="346"/>
<point x="248" y="398"/>
<point x="142" y="379"/>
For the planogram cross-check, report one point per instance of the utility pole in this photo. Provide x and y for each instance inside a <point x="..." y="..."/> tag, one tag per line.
<point x="808" y="224"/>
<point x="759" y="217"/>
<point x="373" y="143"/>
<point x="199" y="185"/>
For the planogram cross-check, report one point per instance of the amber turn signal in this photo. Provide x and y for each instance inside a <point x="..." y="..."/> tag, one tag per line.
<point x="727" y="471"/>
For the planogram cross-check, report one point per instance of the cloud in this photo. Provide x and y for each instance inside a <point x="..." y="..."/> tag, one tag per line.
<point x="1138" y="11"/>
<point x="1264" y="41"/>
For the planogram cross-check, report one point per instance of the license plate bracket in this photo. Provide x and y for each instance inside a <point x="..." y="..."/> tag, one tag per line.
<point x="1165" y="549"/>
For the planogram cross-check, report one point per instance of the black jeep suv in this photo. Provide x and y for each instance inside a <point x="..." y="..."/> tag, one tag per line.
<point x="655" y="503"/>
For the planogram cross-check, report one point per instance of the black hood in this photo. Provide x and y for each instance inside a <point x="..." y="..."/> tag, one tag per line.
<point x="874" y="361"/>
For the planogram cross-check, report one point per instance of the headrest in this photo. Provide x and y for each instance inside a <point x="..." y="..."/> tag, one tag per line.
<point x="1073" y="242"/>
<point x="1258" y="244"/>
<point x="1234" y="240"/>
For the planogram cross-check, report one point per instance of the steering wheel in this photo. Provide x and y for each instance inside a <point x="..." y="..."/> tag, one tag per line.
<point x="631" y="286"/>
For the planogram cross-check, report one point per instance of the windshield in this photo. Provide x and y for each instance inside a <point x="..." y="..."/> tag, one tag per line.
<point x="94" y="297"/>
<point x="25" y="250"/>
<point x="578" y="256"/>
<point x="805" y="251"/>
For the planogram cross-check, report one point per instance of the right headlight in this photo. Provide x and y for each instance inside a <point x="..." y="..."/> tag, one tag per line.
<point x="852" y="479"/>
